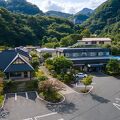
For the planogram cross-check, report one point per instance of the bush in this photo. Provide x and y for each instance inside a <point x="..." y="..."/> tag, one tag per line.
<point x="40" y="75"/>
<point x="1" y="100"/>
<point x="42" y="78"/>
<point x="49" y="90"/>
<point x="46" y="55"/>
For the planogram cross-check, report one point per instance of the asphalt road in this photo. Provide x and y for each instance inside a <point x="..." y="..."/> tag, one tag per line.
<point x="102" y="104"/>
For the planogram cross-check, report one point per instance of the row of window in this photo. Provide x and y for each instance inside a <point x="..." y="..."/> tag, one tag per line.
<point x="95" y="42"/>
<point x="86" y="54"/>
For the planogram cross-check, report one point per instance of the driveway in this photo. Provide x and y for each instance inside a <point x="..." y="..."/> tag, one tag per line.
<point x="102" y="104"/>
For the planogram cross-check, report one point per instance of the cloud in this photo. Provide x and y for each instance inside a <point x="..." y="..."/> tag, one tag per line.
<point x="49" y="5"/>
<point x="69" y="6"/>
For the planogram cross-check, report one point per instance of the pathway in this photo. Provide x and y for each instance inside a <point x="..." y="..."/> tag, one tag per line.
<point x="65" y="89"/>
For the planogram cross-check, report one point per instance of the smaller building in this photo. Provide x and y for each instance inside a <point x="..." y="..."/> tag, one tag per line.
<point x="42" y="51"/>
<point x="16" y="64"/>
<point x="94" y="41"/>
<point x="87" y="59"/>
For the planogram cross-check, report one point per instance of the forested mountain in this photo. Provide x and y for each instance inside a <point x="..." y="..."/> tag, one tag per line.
<point x="58" y="14"/>
<point x="79" y="18"/>
<point x="20" y="6"/>
<point x="19" y="29"/>
<point x="105" y="19"/>
<point x="82" y="16"/>
<point x="85" y="11"/>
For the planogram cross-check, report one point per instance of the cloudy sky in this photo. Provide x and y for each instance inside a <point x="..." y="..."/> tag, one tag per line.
<point x="68" y="6"/>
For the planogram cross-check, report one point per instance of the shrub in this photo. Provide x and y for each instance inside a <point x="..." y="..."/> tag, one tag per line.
<point x="87" y="81"/>
<point x="49" y="90"/>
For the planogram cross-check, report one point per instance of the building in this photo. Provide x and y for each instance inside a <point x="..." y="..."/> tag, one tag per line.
<point x="88" y="59"/>
<point x="94" y="41"/>
<point x="16" y="64"/>
<point x="42" y="51"/>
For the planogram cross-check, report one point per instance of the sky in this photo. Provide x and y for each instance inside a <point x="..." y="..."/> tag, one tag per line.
<point x="68" y="6"/>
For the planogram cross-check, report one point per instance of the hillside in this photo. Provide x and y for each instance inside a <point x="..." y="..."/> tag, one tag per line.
<point x="85" y="11"/>
<point x="20" y="30"/>
<point x="20" y="6"/>
<point x="105" y="19"/>
<point x="58" y="14"/>
<point x="82" y="15"/>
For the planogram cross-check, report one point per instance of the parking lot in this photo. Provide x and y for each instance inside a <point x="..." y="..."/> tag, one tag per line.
<point x="27" y="106"/>
<point x="102" y="104"/>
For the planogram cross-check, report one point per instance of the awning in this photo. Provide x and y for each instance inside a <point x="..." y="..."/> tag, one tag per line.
<point x="95" y="65"/>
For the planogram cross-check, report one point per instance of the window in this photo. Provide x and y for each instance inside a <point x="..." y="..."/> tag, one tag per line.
<point x="67" y="54"/>
<point x="100" y="53"/>
<point x="106" y="53"/>
<point x="101" y="42"/>
<point x="86" y="42"/>
<point x="84" y="54"/>
<point x="15" y="74"/>
<point x="94" y="42"/>
<point x="18" y="61"/>
<point x="92" y="54"/>
<point x="75" y="54"/>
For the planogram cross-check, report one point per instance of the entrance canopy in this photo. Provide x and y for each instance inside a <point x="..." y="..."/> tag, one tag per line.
<point x="95" y="65"/>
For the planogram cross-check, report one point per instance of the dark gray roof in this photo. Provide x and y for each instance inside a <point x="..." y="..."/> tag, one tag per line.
<point x="82" y="49"/>
<point x="18" y="68"/>
<point x="7" y="56"/>
<point x="22" y="52"/>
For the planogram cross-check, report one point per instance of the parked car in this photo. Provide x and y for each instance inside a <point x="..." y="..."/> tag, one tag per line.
<point x="80" y="75"/>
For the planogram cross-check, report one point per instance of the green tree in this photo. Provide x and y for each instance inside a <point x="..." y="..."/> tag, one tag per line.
<point x="46" y="55"/>
<point x="70" y="40"/>
<point x="62" y="64"/>
<point x="1" y="74"/>
<point x="87" y="81"/>
<point x="113" y="67"/>
<point x="35" y="62"/>
<point x="86" y="33"/>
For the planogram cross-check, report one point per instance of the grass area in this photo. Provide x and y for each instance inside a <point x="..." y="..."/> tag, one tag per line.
<point x="18" y="86"/>
<point x="1" y="100"/>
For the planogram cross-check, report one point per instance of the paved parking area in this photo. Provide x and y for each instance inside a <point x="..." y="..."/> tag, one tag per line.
<point x="102" y="104"/>
<point x="26" y="106"/>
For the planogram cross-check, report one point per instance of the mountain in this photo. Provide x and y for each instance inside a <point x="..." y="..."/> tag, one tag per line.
<point x="105" y="19"/>
<point x="85" y="11"/>
<point x="82" y="15"/>
<point x="20" y="6"/>
<point x="21" y="29"/>
<point x="79" y="18"/>
<point x="58" y="14"/>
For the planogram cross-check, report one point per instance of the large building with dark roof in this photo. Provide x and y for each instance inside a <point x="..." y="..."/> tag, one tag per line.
<point x="15" y="64"/>
<point x="88" y="59"/>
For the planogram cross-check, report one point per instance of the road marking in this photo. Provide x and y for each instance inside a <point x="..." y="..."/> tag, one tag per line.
<point x="26" y="94"/>
<point x="37" y="117"/>
<point x="61" y="119"/>
<point x="117" y="106"/>
<point x="37" y="94"/>
<point x="15" y="96"/>
<point x="28" y="119"/>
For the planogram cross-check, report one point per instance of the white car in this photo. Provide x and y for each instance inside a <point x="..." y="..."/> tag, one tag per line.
<point x="81" y="75"/>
